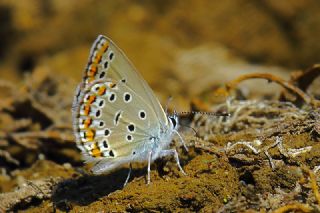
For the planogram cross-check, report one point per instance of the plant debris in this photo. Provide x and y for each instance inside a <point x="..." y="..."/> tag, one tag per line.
<point x="254" y="157"/>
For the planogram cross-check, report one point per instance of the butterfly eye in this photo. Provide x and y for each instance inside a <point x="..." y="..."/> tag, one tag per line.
<point x="142" y="115"/>
<point x="173" y="121"/>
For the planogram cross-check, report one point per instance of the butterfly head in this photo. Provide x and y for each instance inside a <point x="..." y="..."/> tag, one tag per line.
<point x="173" y="120"/>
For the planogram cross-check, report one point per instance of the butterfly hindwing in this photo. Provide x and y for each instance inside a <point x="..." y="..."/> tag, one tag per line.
<point x="114" y="122"/>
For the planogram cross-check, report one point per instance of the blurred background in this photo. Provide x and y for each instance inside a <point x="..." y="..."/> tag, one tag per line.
<point x="180" y="47"/>
<point x="183" y="48"/>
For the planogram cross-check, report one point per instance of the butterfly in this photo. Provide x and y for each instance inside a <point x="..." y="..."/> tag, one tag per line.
<point x="117" y="119"/>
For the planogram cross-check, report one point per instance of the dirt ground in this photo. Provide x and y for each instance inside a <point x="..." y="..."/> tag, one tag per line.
<point x="253" y="89"/>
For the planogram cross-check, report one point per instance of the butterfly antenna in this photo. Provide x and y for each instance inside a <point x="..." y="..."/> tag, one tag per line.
<point x="201" y="113"/>
<point x="167" y="104"/>
<point x="204" y="113"/>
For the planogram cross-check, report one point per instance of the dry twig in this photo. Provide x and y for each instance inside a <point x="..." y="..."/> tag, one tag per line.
<point x="288" y="152"/>
<point x="6" y="155"/>
<point x="305" y="78"/>
<point x="295" y="90"/>
<point x="294" y="206"/>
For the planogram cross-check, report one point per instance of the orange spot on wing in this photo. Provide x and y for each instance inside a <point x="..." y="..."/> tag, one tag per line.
<point x="92" y="71"/>
<point x="90" y="133"/>
<point x="95" y="60"/>
<point x="90" y="79"/>
<point x="87" y="109"/>
<point x="98" y="58"/>
<point x="105" y="47"/>
<point x="102" y="90"/>
<point x="100" y="52"/>
<point x="96" y="152"/>
<point x="87" y="122"/>
<point x="91" y="99"/>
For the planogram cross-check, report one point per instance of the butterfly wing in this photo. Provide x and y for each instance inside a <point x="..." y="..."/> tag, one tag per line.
<point x="115" y="112"/>
<point x="107" y="61"/>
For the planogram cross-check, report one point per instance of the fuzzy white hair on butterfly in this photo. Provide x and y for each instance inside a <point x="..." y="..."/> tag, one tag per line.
<point x="117" y="119"/>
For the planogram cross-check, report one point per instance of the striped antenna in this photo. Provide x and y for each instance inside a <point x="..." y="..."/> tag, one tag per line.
<point x="203" y="113"/>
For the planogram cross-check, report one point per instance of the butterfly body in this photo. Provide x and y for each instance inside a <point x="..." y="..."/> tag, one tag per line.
<point x="116" y="117"/>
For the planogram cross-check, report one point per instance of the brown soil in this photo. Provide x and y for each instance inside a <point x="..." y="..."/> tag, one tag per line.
<point x="262" y="155"/>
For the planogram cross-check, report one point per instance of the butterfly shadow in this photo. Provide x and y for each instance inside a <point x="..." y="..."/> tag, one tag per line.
<point x="90" y="188"/>
<point x="86" y="189"/>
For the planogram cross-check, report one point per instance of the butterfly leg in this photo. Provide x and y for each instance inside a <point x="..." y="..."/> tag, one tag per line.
<point x="128" y="177"/>
<point x="149" y="164"/>
<point x="181" y="140"/>
<point x="173" y="152"/>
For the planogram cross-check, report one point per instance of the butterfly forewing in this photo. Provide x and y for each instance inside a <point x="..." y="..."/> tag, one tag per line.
<point x="115" y="112"/>
<point x="107" y="61"/>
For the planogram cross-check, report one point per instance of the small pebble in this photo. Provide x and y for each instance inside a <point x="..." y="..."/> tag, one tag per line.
<point x="67" y="165"/>
<point x="41" y="156"/>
